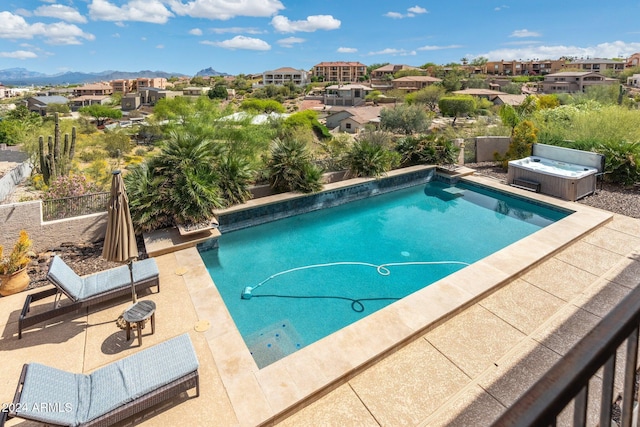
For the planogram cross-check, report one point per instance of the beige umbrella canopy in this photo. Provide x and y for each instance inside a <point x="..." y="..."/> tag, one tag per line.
<point x="120" y="239"/>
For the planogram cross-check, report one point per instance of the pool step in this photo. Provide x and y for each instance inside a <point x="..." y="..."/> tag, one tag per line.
<point x="454" y="191"/>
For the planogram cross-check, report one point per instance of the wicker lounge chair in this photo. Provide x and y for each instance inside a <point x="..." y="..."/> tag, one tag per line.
<point x="110" y="394"/>
<point x="86" y="291"/>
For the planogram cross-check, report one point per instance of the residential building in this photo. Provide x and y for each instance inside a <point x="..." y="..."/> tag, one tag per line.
<point x="508" y="99"/>
<point x="284" y="75"/>
<point x="597" y="65"/>
<point x="573" y="81"/>
<point x="4" y="91"/>
<point x="634" y="80"/>
<point x="489" y="94"/>
<point x="86" y="100"/>
<point x="353" y="119"/>
<point x="413" y="83"/>
<point x="530" y="67"/>
<point x="342" y="72"/>
<point x="101" y="89"/>
<point x="123" y="86"/>
<point x="142" y="83"/>
<point x="195" y="91"/>
<point x="131" y="101"/>
<point x="381" y="77"/>
<point x="152" y="95"/>
<point x="38" y="104"/>
<point x="346" y="95"/>
<point x="633" y="61"/>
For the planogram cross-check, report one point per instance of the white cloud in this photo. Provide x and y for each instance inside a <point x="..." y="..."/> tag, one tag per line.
<point x="62" y="33"/>
<point x="347" y="50"/>
<point x="152" y="11"/>
<point x="433" y="47"/>
<point x="524" y="33"/>
<point x="237" y="30"/>
<point x="115" y="35"/>
<point x="290" y="41"/>
<point x="393" y="52"/>
<point x="15" y="27"/>
<point x="160" y="46"/>
<point x="417" y="10"/>
<point x="309" y="25"/>
<point x="225" y="9"/>
<point x="394" y="15"/>
<point x="18" y="54"/>
<point x="603" y="50"/>
<point x="411" y="12"/>
<point x="241" y="42"/>
<point x="23" y="12"/>
<point x="59" y="11"/>
<point x="195" y="32"/>
<point x="499" y="8"/>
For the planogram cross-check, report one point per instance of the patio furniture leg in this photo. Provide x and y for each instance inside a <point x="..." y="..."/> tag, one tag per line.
<point x="128" y="330"/>
<point x="139" y="328"/>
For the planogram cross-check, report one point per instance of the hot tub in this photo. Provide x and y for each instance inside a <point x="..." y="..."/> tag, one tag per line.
<point x="568" y="181"/>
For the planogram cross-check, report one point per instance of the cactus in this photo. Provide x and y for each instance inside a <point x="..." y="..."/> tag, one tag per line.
<point x="55" y="163"/>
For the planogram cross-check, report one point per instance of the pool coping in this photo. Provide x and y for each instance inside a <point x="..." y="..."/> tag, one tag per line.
<point x="262" y="396"/>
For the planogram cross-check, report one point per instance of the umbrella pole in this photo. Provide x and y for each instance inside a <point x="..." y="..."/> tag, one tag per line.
<point x="133" y="286"/>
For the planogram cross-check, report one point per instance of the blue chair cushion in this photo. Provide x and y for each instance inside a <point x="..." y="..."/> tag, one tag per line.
<point x="50" y="395"/>
<point x="79" y="288"/>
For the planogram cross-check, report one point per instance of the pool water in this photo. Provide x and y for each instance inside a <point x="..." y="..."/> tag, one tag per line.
<point x="309" y="275"/>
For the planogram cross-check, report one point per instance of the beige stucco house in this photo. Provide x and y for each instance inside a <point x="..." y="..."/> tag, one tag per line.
<point x="573" y="81"/>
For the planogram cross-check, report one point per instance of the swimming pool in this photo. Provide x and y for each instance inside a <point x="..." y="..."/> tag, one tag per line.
<point x="306" y="276"/>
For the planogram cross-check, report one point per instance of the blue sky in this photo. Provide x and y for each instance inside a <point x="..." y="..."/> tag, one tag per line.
<point x="252" y="36"/>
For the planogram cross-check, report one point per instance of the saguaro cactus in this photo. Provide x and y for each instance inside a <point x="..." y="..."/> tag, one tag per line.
<point x="55" y="163"/>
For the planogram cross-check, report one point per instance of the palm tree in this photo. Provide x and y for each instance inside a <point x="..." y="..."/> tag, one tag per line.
<point x="291" y="169"/>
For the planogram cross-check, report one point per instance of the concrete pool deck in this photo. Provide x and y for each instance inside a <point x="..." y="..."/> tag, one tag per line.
<point x="456" y="352"/>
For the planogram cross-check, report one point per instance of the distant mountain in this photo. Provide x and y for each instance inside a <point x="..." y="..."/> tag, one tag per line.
<point x="21" y="76"/>
<point x="210" y="72"/>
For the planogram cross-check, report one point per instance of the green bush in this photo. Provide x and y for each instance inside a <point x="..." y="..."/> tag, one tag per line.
<point x="427" y="150"/>
<point x="291" y="167"/>
<point x="370" y="159"/>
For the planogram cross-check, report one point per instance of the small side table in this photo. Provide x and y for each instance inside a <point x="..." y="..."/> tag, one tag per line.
<point x="138" y="313"/>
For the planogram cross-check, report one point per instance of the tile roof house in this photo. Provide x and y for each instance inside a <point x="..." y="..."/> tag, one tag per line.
<point x="633" y="61"/>
<point x="413" y="83"/>
<point x="509" y="99"/>
<point x="284" y="75"/>
<point x="381" y="77"/>
<point x="570" y="81"/>
<point x="353" y="119"/>
<point x="93" y="89"/>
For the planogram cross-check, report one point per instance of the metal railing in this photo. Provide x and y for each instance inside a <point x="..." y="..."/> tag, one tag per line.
<point x="568" y="379"/>
<point x="68" y="207"/>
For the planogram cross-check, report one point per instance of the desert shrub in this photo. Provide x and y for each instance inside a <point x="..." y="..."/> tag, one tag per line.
<point x="291" y="168"/>
<point x="431" y="149"/>
<point x="70" y="186"/>
<point x="368" y="158"/>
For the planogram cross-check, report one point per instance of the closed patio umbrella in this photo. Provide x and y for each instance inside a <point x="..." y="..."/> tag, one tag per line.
<point x="120" y="239"/>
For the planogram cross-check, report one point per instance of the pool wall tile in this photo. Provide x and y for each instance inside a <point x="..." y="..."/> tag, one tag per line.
<point x="236" y="219"/>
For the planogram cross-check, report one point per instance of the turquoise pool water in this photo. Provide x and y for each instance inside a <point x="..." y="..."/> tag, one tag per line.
<point x="307" y="276"/>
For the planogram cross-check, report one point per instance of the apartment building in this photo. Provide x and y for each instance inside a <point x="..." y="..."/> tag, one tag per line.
<point x="597" y="65"/>
<point x="341" y="72"/>
<point x="284" y="75"/>
<point x="96" y="89"/>
<point x="143" y="83"/>
<point x="573" y="81"/>
<point x="525" y="68"/>
<point x="123" y="86"/>
<point x="346" y="95"/>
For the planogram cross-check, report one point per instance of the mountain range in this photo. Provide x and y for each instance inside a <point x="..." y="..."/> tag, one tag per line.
<point x="22" y="76"/>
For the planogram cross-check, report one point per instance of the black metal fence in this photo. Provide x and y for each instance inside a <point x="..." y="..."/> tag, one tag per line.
<point x="74" y="206"/>
<point x="569" y="380"/>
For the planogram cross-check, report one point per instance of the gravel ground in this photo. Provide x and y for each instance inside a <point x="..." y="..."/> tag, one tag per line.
<point x="613" y="198"/>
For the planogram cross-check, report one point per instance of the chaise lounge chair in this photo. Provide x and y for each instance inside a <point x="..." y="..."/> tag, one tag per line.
<point x="110" y="394"/>
<point x="87" y="291"/>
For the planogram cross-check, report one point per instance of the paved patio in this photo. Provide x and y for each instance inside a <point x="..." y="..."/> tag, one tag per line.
<point x="463" y="368"/>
